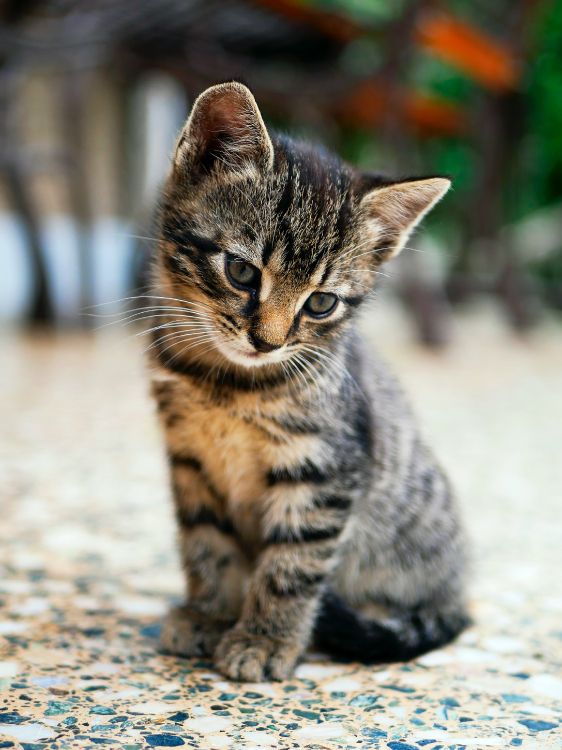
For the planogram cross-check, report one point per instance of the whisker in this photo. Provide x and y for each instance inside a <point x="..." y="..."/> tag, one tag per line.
<point x="329" y="364"/>
<point x="194" y="338"/>
<point x="297" y="375"/>
<point x="328" y="357"/>
<point x="164" y="325"/>
<point x="188" y="347"/>
<point x="293" y="372"/>
<point x="140" y="237"/>
<point x="194" y="328"/>
<point x="162" y="311"/>
<point x="150" y="316"/>
<point x="305" y="370"/>
<point x="148" y="296"/>
<point x="369" y="270"/>
<point x="137" y="310"/>
<point x="177" y="335"/>
<point x="368" y="243"/>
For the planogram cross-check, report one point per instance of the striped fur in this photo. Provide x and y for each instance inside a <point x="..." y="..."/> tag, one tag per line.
<point x="308" y="506"/>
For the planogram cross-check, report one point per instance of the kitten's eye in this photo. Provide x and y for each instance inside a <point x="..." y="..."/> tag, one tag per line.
<point x="320" y="304"/>
<point x="242" y="274"/>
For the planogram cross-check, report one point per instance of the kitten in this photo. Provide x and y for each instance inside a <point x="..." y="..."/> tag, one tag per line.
<point x="309" y="509"/>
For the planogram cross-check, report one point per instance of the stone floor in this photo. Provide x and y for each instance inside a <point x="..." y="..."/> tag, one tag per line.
<point x="87" y="563"/>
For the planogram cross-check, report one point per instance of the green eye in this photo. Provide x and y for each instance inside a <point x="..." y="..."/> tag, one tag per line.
<point x="320" y="304"/>
<point x="242" y="274"/>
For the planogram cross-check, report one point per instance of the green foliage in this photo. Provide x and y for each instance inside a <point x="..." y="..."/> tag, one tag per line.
<point x="533" y="176"/>
<point x="433" y="76"/>
<point x="366" y="11"/>
<point x="544" y="81"/>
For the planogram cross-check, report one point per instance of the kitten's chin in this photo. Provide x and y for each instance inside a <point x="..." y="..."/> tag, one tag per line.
<point x="248" y="358"/>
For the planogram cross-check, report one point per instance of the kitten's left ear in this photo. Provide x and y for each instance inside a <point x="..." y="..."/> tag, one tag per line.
<point x="392" y="212"/>
<point x="225" y="131"/>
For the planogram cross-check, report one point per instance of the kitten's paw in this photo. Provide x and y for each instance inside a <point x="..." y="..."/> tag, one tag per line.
<point x="244" y="656"/>
<point x="187" y="633"/>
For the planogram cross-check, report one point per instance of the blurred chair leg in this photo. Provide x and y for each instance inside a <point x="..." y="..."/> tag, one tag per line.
<point x="430" y="311"/>
<point x="517" y="295"/>
<point x="41" y="307"/>
<point x="73" y="91"/>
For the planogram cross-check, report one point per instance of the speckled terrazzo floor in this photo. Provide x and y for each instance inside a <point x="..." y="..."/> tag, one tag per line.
<point x="87" y="565"/>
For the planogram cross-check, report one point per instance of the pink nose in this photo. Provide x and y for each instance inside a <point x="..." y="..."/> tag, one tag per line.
<point x="261" y="345"/>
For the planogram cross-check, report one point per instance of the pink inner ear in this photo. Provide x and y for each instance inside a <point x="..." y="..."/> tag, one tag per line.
<point x="227" y="112"/>
<point x="227" y="118"/>
<point x="225" y="132"/>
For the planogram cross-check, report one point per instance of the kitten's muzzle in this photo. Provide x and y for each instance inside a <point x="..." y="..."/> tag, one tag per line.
<point x="261" y="345"/>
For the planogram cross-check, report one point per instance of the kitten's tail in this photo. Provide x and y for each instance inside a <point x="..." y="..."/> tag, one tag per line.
<point x="346" y="634"/>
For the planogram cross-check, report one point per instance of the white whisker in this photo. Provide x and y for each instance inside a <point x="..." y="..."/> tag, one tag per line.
<point x="179" y="337"/>
<point x="151" y="297"/>
<point x="194" y="328"/>
<point x="152" y="316"/>
<point x="138" y="310"/>
<point x="194" y="338"/>
<point x="369" y="270"/>
<point x="165" y="325"/>
<point x="140" y="237"/>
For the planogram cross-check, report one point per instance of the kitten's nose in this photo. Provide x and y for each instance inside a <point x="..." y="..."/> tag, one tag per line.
<point x="261" y="345"/>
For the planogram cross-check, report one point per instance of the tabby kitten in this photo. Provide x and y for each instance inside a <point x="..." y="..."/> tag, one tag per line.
<point x="309" y="509"/>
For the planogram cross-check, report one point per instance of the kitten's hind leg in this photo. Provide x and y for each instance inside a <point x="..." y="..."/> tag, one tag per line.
<point x="351" y="635"/>
<point x="186" y="632"/>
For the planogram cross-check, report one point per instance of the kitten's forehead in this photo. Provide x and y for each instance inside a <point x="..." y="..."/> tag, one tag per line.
<point x="295" y="220"/>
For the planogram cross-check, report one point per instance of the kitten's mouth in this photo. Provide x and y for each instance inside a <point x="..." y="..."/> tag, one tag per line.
<point x="248" y="357"/>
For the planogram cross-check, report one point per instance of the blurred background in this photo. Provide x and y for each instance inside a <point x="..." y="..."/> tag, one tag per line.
<point x="94" y="92"/>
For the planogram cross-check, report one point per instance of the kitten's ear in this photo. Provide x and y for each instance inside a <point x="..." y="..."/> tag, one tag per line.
<point x="225" y="131"/>
<point x="392" y="211"/>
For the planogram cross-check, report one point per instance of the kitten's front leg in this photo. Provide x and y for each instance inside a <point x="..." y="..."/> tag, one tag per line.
<point x="303" y="529"/>
<point x="214" y="564"/>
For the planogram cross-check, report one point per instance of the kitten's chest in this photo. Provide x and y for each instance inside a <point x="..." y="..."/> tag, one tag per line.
<point x="230" y="448"/>
<point x="236" y="444"/>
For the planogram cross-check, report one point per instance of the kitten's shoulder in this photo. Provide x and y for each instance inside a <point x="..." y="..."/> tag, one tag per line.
<point x="377" y="380"/>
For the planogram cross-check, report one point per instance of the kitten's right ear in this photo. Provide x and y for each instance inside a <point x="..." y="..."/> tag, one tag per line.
<point x="226" y="132"/>
<point x="391" y="211"/>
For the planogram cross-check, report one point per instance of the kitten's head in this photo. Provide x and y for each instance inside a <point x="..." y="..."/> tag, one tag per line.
<point x="272" y="243"/>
